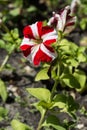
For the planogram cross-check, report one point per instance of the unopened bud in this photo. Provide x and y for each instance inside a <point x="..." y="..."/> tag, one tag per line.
<point x="74" y="5"/>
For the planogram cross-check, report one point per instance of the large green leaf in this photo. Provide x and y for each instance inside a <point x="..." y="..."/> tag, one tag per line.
<point x="3" y="90"/>
<point x="17" y="125"/>
<point x="81" y="77"/>
<point x="42" y="75"/>
<point x="65" y="103"/>
<point x="42" y="94"/>
<point x="53" y="122"/>
<point x="70" y="81"/>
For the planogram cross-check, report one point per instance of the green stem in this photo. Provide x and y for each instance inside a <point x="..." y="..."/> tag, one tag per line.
<point x="56" y="82"/>
<point x="8" y="55"/>
<point x="4" y="62"/>
<point x="4" y="27"/>
<point x="41" y="121"/>
<point x="54" y="89"/>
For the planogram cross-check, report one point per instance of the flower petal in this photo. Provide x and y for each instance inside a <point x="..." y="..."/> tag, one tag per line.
<point x="43" y="55"/>
<point x="26" y="46"/>
<point x="50" y="37"/>
<point x="70" y="21"/>
<point x="28" y="32"/>
<point x="64" y="15"/>
<point x="33" y="31"/>
<point x="47" y="51"/>
<point x="36" y="29"/>
<point x="48" y="43"/>
<point x="46" y="30"/>
<point x="40" y="53"/>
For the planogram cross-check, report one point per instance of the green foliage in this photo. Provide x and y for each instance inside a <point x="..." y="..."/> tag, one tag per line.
<point x="3" y="113"/>
<point x="42" y="75"/>
<point x="15" y="12"/>
<point x="17" y="125"/>
<point x="70" y="81"/>
<point x="83" y="7"/>
<point x="69" y="58"/>
<point x="81" y="78"/>
<point x="40" y="93"/>
<point x="83" y="23"/>
<point x="31" y="9"/>
<point x="65" y="103"/>
<point x="64" y="70"/>
<point x="10" y="41"/>
<point x="71" y="54"/>
<point x="3" y="91"/>
<point x="52" y="121"/>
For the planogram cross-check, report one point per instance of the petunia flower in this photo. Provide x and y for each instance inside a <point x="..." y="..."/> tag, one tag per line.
<point x="37" y="43"/>
<point x="62" y="21"/>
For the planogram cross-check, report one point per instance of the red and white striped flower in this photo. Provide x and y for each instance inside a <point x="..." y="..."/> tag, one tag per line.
<point x="36" y="45"/>
<point x="62" y="21"/>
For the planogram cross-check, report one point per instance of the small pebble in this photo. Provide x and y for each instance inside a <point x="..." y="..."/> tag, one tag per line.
<point x="80" y="126"/>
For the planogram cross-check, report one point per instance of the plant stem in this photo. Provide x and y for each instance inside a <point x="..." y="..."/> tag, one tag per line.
<point x="4" y="62"/>
<point x="54" y="89"/>
<point x="8" y="55"/>
<point x="41" y="120"/>
<point x="56" y="82"/>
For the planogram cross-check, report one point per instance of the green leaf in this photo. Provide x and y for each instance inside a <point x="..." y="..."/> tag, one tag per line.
<point x="7" y="37"/>
<point x="31" y="9"/>
<point x="15" y="12"/>
<point x="81" y="54"/>
<point x="41" y="109"/>
<point x="15" y="33"/>
<point x="70" y="81"/>
<point x="68" y="46"/>
<point x="72" y="62"/>
<point x="3" y="113"/>
<point x="42" y="94"/>
<point x="81" y="77"/>
<point x="83" y="23"/>
<point x="71" y="104"/>
<point x="82" y="57"/>
<point x="45" y="104"/>
<point x="54" y="122"/>
<point x="18" y="3"/>
<point x="59" y="101"/>
<point x="3" y="90"/>
<point x="2" y="44"/>
<point x="11" y="49"/>
<point x="65" y="103"/>
<point x="8" y="47"/>
<point x="17" y="125"/>
<point x="42" y="75"/>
